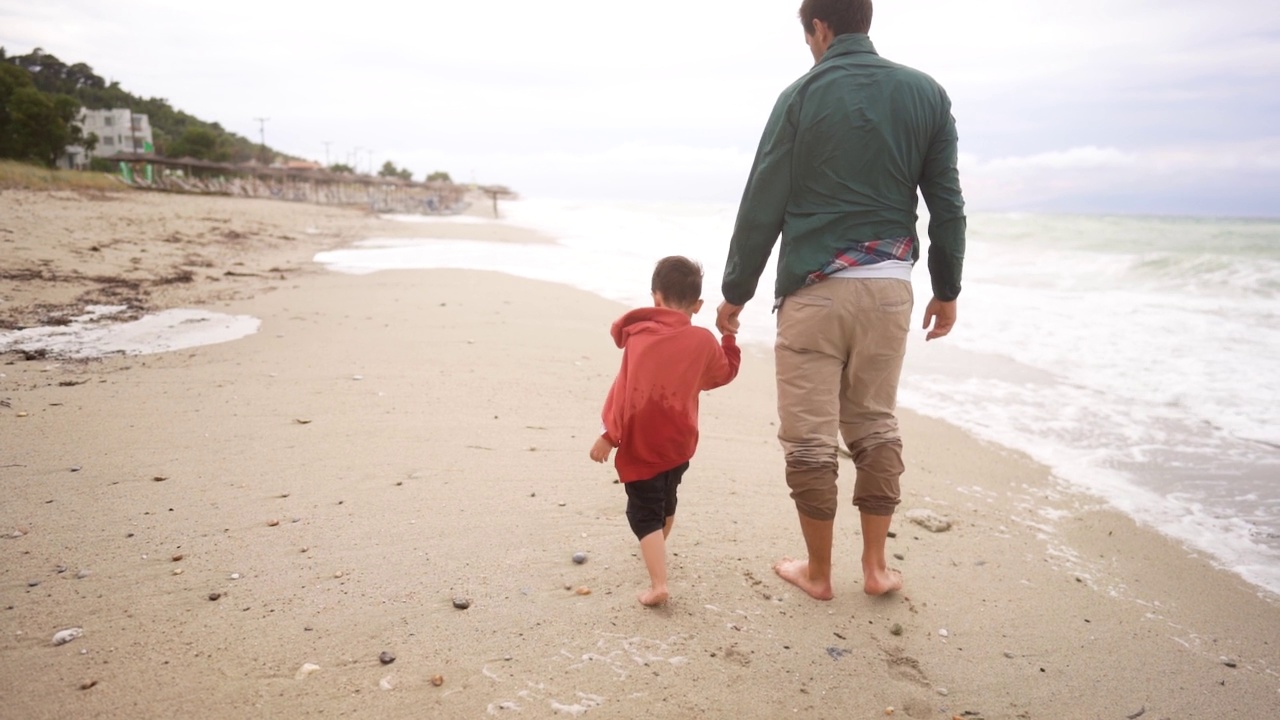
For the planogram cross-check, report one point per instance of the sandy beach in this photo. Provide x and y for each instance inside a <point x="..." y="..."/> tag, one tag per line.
<point x="240" y="529"/>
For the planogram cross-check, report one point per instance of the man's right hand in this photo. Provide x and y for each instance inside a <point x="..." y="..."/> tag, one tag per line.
<point x="727" y="318"/>
<point x="942" y="315"/>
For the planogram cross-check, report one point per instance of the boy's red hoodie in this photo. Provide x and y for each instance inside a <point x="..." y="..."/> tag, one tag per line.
<point x="651" y="414"/>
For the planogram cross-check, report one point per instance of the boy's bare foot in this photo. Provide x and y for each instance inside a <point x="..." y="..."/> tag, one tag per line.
<point x="653" y="597"/>
<point x="881" y="581"/>
<point x="796" y="572"/>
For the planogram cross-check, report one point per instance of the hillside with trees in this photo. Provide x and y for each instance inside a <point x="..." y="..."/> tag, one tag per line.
<point x="45" y="87"/>
<point x="40" y="101"/>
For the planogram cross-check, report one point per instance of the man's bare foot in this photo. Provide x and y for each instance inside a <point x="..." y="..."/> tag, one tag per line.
<point x="796" y="572"/>
<point x="881" y="581"/>
<point x="653" y="597"/>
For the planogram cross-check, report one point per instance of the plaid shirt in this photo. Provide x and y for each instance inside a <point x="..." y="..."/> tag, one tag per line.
<point x="866" y="253"/>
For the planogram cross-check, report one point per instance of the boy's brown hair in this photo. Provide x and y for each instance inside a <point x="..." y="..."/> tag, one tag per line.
<point x="679" y="280"/>
<point x="842" y="16"/>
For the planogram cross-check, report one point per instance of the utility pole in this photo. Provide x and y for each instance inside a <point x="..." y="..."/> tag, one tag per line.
<point x="262" y="139"/>
<point x="327" y="143"/>
<point x="370" y="160"/>
<point x="355" y="160"/>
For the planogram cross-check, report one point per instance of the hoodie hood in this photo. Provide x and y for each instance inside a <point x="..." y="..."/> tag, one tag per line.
<point x="654" y="320"/>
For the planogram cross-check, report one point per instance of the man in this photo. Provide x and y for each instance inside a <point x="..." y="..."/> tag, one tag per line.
<point x="836" y="173"/>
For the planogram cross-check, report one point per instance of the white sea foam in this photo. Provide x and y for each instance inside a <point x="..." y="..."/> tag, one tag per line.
<point x="431" y="219"/>
<point x="1139" y="358"/>
<point x="88" y="335"/>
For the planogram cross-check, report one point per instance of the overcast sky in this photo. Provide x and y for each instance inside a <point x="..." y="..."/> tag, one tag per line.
<point x="1136" y="106"/>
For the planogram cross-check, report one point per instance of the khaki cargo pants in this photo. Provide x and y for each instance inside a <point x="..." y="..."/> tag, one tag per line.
<point x="839" y="354"/>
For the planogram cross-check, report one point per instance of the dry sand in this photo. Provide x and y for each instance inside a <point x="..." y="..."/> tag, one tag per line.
<point x="388" y="443"/>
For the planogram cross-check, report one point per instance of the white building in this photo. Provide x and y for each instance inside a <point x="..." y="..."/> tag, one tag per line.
<point x="118" y="131"/>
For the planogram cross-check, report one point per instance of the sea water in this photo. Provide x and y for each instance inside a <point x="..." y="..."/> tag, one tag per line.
<point x="1139" y="358"/>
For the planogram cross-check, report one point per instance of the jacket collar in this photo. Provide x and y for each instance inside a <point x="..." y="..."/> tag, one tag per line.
<point x="849" y="44"/>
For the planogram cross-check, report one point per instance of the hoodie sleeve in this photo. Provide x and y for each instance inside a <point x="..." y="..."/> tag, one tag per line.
<point x="724" y="363"/>
<point x="611" y="416"/>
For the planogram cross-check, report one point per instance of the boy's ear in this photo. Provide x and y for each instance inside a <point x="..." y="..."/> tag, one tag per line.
<point x="657" y="299"/>
<point x="697" y="306"/>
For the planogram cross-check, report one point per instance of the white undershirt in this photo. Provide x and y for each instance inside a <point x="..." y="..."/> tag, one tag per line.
<point x="890" y="269"/>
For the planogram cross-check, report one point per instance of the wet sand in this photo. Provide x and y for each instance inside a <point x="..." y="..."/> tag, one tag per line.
<point x="388" y="443"/>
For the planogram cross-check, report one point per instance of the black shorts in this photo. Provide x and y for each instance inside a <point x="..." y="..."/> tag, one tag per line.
<point x="650" y="502"/>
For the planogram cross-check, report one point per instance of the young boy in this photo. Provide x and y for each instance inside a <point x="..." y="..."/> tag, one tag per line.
<point x="651" y="413"/>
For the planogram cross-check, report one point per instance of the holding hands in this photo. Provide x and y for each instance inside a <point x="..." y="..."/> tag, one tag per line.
<point x="727" y="318"/>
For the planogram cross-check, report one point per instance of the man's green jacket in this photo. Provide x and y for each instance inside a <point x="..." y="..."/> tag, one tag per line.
<point x="842" y="155"/>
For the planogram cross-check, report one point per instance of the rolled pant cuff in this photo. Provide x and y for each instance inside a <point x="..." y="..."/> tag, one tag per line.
<point x="814" y="491"/>
<point x="878" y="508"/>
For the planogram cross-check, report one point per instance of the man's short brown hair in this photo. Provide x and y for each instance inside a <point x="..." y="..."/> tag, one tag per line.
<point x="842" y="16"/>
<point x="679" y="280"/>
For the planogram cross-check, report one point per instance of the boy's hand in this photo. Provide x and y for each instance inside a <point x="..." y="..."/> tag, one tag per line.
<point x="600" y="451"/>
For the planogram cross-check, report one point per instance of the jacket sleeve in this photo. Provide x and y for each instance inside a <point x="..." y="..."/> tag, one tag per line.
<point x="724" y="364"/>
<point x="763" y="206"/>
<point x="611" y="418"/>
<point x="940" y="186"/>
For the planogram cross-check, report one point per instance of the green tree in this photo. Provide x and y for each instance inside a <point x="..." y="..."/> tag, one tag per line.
<point x="40" y="125"/>
<point x="12" y="79"/>
<point x="440" y="176"/>
<point x="342" y="168"/>
<point x="389" y="169"/>
<point x="197" y="143"/>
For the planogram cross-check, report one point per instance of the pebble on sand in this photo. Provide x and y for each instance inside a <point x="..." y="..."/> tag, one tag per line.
<point x="929" y="520"/>
<point x="177" y="557"/>
<point x="273" y="522"/>
<point x="213" y="596"/>
<point x="305" y="670"/>
<point x="437" y="680"/>
<point x="461" y="603"/>
<point x="896" y="629"/>
<point x="88" y="684"/>
<point x="83" y="574"/>
<point x="579" y="557"/>
<point x="177" y="571"/>
<point x="386" y="657"/>
<point x="584" y="590"/>
<point x="62" y="637"/>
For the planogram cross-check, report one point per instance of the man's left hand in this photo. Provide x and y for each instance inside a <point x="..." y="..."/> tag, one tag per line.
<point x="942" y="315"/>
